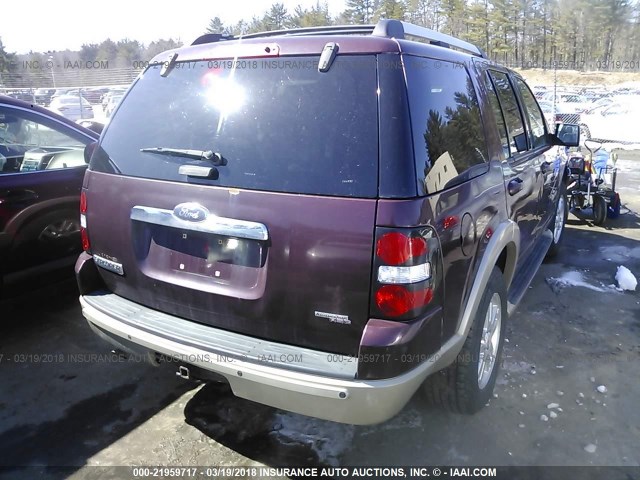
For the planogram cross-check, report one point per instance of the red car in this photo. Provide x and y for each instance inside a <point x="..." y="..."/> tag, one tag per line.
<point x="41" y="170"/>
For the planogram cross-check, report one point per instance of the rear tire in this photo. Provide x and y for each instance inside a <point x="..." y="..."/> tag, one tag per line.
<point x="599" y="210"/>
<point x="465" y="386"/>
<point x="558" y="222"/>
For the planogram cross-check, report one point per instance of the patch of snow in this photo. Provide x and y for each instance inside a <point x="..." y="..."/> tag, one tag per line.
<point x="560" y="393"/>
<point x="590" y="448"/>
<point x="327" y="439"/>
<point x="581" y="395"/>
<point x="553" y="415"/>
<point x="573" y="279"/>
<point x="602" y="389"/>
<point x="544" y="418"/>
<point x="521" y="425"/>
<point x="552" y="405"/>
<point x="626" y="280"/>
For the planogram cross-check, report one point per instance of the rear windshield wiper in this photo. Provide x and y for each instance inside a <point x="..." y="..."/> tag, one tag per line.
<point x="214" y="157"/>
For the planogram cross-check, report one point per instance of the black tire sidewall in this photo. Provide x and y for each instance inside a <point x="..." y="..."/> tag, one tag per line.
<point x="471" y="397"/>
<point x="555" y="246"/>
<point x="599" y="210"/>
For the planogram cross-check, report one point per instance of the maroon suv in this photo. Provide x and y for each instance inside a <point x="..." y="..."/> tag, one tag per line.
<point x="328" y="218"/>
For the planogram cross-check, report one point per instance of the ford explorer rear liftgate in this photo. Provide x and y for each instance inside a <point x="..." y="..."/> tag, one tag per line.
<point x="242" y="196"/>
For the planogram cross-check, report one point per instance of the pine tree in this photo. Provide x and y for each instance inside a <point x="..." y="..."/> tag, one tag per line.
<point x="215" y="26"/>
<point x="360" y="12"/>
<point x="395" y="9"/>
<point x="276" y="18"/>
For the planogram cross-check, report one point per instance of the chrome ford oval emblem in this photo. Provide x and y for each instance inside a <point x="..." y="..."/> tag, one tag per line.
<point x="191" y="212"/>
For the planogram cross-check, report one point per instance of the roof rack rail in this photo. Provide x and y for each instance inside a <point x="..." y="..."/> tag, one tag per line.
<point x="212" y="38"/>
<point x="324" y="30"/>
<point x="384" y="28"/>
<point x="399" y="29"/>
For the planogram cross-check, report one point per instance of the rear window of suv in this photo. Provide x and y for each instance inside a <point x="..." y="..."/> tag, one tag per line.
<point x="280" y="124"/>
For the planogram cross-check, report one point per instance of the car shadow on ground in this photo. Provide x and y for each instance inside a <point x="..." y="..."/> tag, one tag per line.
<point x="60" y="404"/>
<point x="628" y="218"/>
<point x="249" y="428"/>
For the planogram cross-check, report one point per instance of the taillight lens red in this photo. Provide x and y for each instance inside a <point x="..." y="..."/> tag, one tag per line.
<point x="83" y="202"/>
<point x="396" y="300"/>
<point x="84" y="235"/>
<point x="395" y="248"/>
<point x="86" y="245"/>
<point x="403" y="272"/>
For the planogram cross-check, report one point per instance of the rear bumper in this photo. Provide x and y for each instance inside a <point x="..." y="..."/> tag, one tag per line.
<point x="296" y="379"/>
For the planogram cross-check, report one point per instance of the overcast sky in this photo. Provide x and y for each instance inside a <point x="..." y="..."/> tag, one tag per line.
<point x="57" y="25"/>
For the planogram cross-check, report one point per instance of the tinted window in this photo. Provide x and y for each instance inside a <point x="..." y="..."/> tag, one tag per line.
<point x="510" y="112"/>
<point x="280" y="124"/>
<point x="448" y="137"/>
<point x="29" y="141"/>
<point x="534" y="115"/>
<point x="497" y="113"/>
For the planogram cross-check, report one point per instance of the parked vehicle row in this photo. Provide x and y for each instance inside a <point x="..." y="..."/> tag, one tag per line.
<point x="603" y="116"/>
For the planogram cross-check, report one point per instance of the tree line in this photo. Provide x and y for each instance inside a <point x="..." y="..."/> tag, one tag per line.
<point x="573" y="34"/>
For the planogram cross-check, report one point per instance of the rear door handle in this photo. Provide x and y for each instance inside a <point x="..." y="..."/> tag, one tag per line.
<point x="515" y="186"/>
<point x="17" y="196"/>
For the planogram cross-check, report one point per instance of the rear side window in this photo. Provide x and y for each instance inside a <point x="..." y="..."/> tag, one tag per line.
<point x="534" y="115"/>
<point x="280" y="124"/>
<point x="510" y="111"/>
<point x="448" y="137"/>
<point x="497" y="113"/>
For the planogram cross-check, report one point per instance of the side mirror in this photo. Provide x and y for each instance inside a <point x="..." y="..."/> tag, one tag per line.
<point x="567" y="135"/>
<point x="88" y="151"/>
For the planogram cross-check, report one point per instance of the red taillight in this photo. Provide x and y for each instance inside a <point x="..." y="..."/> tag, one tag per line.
<point x="84" y="235"/>
<point x="396" y="300"/>
<point x="83" y="202"/>
<point x="395" y="248"/>
<point x="86" y="245"/>
<point x="403" y="283"/>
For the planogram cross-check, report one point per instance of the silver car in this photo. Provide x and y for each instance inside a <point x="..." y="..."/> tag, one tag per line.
<point x="72" y="107"/>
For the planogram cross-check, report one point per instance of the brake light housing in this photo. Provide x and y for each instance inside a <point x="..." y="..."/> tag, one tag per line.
<point x="405" y="273"/>
<point x="84" y="233"/>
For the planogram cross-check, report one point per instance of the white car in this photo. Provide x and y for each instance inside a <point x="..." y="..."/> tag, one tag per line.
<point x="617" y="122"/>
<point x="114" y="100"/>
<point x="569" y="107"/>
<point x="72" y="107"/>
